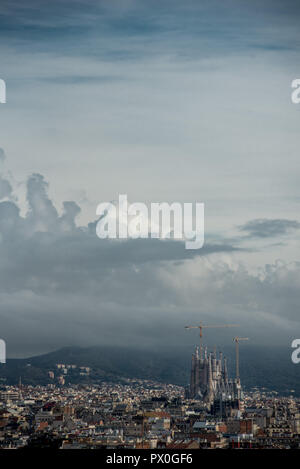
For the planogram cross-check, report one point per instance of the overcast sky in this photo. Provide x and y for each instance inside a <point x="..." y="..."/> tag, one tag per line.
<point x="162" y="100"/>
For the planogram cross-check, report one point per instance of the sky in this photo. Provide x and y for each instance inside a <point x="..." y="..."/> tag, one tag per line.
<point x="164" y="101"/>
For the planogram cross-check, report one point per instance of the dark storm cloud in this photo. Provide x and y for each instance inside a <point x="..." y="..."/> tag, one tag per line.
<point x="136" y="28"/>
<point x="45" y="251"/>
<point x="268" y="228"/>
<point x="59" y="281"/>
<point x="61" y="285"/>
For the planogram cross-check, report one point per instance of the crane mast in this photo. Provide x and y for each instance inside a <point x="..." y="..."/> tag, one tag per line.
<point x="237" y="353"/>
<point x="206" y="326"/>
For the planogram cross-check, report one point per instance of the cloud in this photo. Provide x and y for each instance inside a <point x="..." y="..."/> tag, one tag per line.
<point x="5" y="188"/>
<point x="61" y="285"/>
<point x="138" y="88"/>
<point x="51" y="251"/>
<point x="219" y="27"/>
<point x="182" y="101"/>
<point x="2" y="155"/>
<point x="268" y="228"/>
<point x="60" y="277"/>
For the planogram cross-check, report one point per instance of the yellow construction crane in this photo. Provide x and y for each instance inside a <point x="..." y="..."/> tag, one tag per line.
<point x="237" y="358"/>
<point x="205" y="326"/>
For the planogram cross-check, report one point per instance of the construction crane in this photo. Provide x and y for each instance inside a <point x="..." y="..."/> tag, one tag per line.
<point x="237" y="358"/>
<point x="205" y="326"/>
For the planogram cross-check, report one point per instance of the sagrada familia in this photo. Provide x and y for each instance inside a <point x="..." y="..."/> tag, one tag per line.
<point x="209" y="378"/>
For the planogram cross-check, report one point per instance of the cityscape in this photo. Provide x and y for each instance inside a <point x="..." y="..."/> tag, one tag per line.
<point x="149" y="228"/>
<point x="212" y="412"/>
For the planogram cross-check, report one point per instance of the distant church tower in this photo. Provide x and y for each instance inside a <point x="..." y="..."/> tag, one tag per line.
<point x="209" y="378"/>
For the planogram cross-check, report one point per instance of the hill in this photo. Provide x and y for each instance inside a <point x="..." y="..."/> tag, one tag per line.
<point x="265" y="367"/>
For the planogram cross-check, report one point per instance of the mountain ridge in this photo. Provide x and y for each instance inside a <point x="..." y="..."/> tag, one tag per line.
<point x="268" y="367"/>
